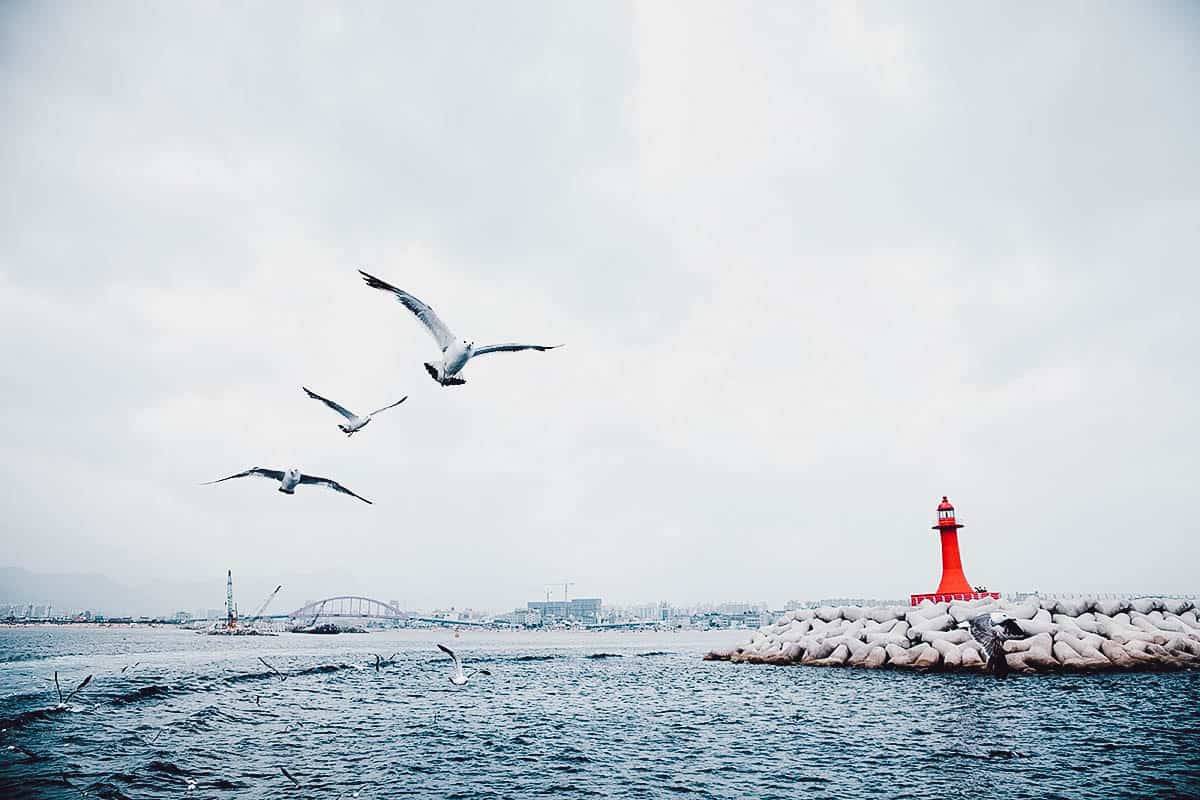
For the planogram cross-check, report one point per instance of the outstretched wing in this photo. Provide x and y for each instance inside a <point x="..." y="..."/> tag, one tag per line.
<point x="273" y="474"/>
<point x="511" y="347"/>
<point x="385" y="408"/>
<point x="330" y="484"/>
<point x="479" y="672"/>
<point x="328" y="402"/>
<point x="78" y="688"/>
<point x="452" y="654"/>
<point x="424" y="312"/>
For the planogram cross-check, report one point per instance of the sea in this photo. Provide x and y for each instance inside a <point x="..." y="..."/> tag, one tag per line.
<point x="563" y="714"/>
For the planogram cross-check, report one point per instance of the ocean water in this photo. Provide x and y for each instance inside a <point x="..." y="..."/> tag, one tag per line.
<point x="564" y="715"/>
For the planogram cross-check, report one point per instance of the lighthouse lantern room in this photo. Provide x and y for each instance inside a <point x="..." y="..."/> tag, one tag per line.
<point x="953" y="585"/>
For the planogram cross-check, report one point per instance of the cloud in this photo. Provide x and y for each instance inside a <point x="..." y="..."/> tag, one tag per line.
<point x="814" y="268"/>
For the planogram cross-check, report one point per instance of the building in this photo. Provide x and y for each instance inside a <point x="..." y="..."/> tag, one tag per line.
<point x="581" y="609"/>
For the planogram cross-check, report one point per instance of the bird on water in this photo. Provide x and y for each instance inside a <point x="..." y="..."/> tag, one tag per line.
<point x="458" y="677"/>
<point x="455" y="352"/>
<point x="289" y="480"/>
<point x="354" y="423"/>
<point x="992" y="631"/>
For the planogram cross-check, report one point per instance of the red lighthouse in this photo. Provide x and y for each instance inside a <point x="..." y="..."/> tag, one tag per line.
<point x="954" y="584"/>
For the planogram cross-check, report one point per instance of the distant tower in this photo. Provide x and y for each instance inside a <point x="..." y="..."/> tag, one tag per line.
<point x="954" y="584"/>
<point x="230" y="608"/>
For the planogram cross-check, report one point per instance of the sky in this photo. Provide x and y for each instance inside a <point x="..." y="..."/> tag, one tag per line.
<point x="814" y="265"/>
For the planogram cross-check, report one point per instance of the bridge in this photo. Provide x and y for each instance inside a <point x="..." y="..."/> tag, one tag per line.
<point x="348" y="606"/>
<point x="358" y="607"/>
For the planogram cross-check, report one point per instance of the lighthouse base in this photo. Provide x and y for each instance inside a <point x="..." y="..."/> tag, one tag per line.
<point x="916" y="599"/>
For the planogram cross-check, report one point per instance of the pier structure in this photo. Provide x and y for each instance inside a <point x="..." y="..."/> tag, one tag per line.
<point x="953" y="585"/>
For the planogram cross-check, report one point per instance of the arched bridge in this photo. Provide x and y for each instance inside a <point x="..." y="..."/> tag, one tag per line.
<point x="353" y="606"/>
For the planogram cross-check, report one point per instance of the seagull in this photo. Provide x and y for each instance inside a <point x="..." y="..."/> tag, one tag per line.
<point x="289" y="480"/>
<point x="130" y="666"/>
<point x="282" y="677"/>
<point x="455" y="352"/>
<point x="354" y="422"/>
<point x="380" y="661"/>
<point x="62" y="704"/>
<point x="458" y="677"/>
<point x="992" y="631"/>
<point x="288" y="775"/>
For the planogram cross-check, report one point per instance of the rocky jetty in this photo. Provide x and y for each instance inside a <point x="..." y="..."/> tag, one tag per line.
<point x="1072" y="635"/>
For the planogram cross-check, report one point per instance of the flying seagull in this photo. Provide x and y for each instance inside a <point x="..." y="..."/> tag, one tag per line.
<point x="380" y="661"/>
<point x="354" y="422"/>
<point x="289" y="480"/>
<point x="458" y="677"/>
<point x="62" y="704"/>
<point x="455" y="352"/>
<point x="288" y="775"/>
<point x="282" y="677"/>
<point x="992" y="631"/>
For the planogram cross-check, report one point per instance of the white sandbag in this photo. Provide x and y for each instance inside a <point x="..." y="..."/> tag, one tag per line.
<point x="1032" y="627"/>
<point x="886" y="637"/>
<point x="954" y="636"/>
<point x="927" y="610"/>
<point x="950" y="652"/>
<point x="972" y="658"/>
<point x="852" y="613"/>
<point x="795" y="633"/>
<point x="1172" y="623"/>
<point x="876" y="658"/>
<point x="1066" y="623"/>
<point x="829" y="613"/>
<point x="855" y="628"/>
<point x="793" y="651"/>
<point x="835" y="659"/>
<point x="1177" y="605"/>
<point x="928" y="658"/>
<point x="1189" y="620"/>
<point x="899" y="656"/>
<point x="885" y="613"/>
<point x="1073" y="607"/>
<point x="943" y="622"/>
<point x="1117" y="655"/>
<point x="816" y="649"/>
<point x="1144" y="605"/>
<point x="1024" y="610"/>
<point x="1042" y="643"/>
<point x="961" y="610"/>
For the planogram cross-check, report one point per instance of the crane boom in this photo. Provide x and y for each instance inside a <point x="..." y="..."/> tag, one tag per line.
<point x="264" y="605"/>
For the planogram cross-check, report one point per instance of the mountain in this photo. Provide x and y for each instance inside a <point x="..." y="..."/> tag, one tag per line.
<point x="103" y="595"/>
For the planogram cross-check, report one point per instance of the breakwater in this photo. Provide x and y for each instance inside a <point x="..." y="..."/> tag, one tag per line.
<point x="1060" y="635"/>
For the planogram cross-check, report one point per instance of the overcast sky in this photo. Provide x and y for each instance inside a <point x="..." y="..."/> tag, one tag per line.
<point x="815" y="265"/>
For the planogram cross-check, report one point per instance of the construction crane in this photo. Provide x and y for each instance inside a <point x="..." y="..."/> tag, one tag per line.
<point x="564" y="586"/>
<point x="264" y="605"/>
<point x="230" y="608"/>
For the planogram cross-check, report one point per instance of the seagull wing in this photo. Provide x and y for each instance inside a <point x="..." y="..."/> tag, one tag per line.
<point x="511" y="347"/>
<point x="339" y="409"/>
<point x="288" y="775"/>
<point x="331" y="484"/>
<point x="78" y="688"/>
<point x="385" y="408"/>
<point x="452" y="654"/>
<point x="273" y="474"/>
<point x="424" y="312"/>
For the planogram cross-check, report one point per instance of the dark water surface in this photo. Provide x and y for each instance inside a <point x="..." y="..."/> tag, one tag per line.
<point x="569" y="714"/>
